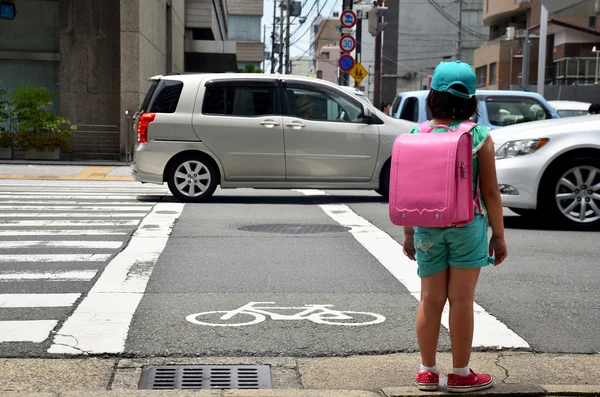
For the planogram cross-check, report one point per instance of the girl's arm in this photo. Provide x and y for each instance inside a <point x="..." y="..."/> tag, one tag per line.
<point x="488" y="183"/>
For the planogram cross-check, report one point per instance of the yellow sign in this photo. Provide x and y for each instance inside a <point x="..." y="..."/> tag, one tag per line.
<point x="358" y="73"/>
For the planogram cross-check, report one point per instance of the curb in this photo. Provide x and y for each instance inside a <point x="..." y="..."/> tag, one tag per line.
<point x="90" y="163"/>
<point x="497" y="390"/>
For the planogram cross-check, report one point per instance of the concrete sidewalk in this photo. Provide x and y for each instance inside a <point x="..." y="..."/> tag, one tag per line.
<point x="515" y="373"/>
<point x="86" y="171"/>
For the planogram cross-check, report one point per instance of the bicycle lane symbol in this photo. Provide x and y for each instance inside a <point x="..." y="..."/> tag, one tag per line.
<point x="251" y="314"/>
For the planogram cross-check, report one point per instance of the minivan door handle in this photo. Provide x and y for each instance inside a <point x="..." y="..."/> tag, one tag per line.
<point x="296" y="125"/>
<point x="269" y="123"/>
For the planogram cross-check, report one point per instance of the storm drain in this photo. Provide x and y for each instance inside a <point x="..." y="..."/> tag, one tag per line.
<point x="284" y="228"/>
<point x="193" y="377"/>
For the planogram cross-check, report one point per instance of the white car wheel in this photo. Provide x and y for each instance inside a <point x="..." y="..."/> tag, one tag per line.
<point x="577" y="193"/>
<point x="192" y="178"/>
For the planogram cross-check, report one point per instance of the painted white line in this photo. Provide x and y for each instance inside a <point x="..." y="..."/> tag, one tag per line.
<point x="489" y="331"/>
<point x="26" y="331"/>
<point x="61" y="244"/>
<point x="69" y="215"/>
<point x="90" y="207"/>
<point x="41" y="258"/>
<point x="55" y="195"/>
<point x="78" y="275"/>
<point x="37" y="300"/>
<point x="79" y="202"/>
<point x="82" y="222"/>
<point x="62" y="232"/>
<point x="101" y="322"/>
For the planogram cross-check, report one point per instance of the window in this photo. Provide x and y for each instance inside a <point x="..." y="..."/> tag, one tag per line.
<point x="493" y="73"/>
<point x="238" y="99"/>
<point x="592" y="22"/>
<point x="322" y="105"/>
<point x="244" y="28"/>
<point x="162" y="97"/>
<point x="203" y="34"/>
<point x="410" y="110"/>
<point x="481" y="73"/>
<point x="396" y="105"/>
<point x="472" y="18"/>
<point x="508" y="111"/>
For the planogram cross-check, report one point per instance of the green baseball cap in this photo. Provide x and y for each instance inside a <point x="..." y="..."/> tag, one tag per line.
<point x="448" y="74"/>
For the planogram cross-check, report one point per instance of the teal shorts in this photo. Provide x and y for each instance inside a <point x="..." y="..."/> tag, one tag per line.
<point x="463" y="247"/>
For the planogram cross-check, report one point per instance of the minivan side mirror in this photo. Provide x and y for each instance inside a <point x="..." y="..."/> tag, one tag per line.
<point x="367" y="115"/>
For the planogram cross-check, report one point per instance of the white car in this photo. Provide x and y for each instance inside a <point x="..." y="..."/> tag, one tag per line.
<point x="361" y="95"/>
<point x="570" y="108"/>
<point x="552" y="168"/>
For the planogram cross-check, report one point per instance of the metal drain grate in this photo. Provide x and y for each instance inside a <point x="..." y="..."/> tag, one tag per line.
<point x="284" y="228"/>
<point x="195" y="377"/>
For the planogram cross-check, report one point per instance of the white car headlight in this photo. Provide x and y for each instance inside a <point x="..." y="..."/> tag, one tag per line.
<point x="520" y="148"/>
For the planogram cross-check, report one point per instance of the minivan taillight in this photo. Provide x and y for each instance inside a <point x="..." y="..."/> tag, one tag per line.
<point x="143" y="121"/>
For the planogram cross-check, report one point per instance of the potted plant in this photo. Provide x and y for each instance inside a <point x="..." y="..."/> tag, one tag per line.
<point x="7" y="136"/>
<point x="40" y="133"/>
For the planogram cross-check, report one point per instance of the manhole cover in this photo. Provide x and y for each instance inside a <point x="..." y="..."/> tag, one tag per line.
<point x="192" y="377"/>
<point x="295" y="228"/>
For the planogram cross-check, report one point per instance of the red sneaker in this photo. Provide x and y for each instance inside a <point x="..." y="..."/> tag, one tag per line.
<point x="469" y="383"/>
<point x="427" y="381"/>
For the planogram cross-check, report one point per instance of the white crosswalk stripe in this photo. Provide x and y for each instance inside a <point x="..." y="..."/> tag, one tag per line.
<point x="60" y="234"/>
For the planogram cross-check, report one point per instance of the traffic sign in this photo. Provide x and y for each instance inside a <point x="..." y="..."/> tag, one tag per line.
<point x="347" y="43"/>
<point x="358" y="73"/>
<point x="348" y="19"/>
<point x="346" y="63"/>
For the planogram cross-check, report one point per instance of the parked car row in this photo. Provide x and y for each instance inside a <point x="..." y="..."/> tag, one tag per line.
<point x="264" y="131"/>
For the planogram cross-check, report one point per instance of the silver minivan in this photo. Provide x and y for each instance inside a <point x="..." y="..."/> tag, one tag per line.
<point x="198" y="131"/>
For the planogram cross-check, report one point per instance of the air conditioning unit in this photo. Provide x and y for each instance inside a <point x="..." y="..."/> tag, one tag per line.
<point x="510" y="33"/>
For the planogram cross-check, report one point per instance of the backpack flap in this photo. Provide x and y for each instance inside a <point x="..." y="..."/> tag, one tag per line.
<point x="430" y="174"/>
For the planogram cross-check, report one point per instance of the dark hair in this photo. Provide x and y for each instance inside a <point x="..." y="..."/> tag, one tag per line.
<point x="594" y="108"/>
<point x="384" y="105"/>
<point x="446" y="105"/>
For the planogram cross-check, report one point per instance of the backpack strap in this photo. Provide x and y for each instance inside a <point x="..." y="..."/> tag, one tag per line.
<point x="463" y="127"/>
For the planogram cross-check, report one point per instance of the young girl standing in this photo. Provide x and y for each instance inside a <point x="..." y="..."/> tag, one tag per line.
<point x="449" y="259"/>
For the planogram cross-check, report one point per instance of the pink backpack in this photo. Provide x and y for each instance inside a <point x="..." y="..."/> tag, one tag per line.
<point x="431" y="182"/>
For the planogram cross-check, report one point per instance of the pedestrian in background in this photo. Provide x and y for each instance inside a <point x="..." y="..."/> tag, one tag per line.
<point x="594" y="108"/>
<point x="385" y="107"/>
<point x="450" y="258"/>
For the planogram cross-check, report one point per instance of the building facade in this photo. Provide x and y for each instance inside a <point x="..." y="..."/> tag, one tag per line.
<point x="98" y="56"/>
<point x="421" y="34"/>
<point x="514" y="37"/>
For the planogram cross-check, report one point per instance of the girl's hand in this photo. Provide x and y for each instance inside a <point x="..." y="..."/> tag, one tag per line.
<point x="498" y="249"/>
<point x="408" y="246"/>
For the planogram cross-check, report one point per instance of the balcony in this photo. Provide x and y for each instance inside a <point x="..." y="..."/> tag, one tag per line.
<point x="497" y="10"/>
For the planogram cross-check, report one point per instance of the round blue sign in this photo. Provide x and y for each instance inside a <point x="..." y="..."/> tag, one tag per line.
<point x="346" y="63"/>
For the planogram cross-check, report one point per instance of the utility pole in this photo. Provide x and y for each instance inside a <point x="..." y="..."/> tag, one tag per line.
<point x="359" y="23"/>
<point x="287" y="37"/>
<point x="273" y="39"/>
<point x="378" y="54"/>
<point x="281" y="37"/>
<point x="542" y="51"/>
<point x="526" y="51"/>
<point x="459" y="41"/>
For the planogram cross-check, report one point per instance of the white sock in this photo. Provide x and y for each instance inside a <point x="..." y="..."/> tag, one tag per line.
<point x="433" y="369"/>
<point x="461" y="371"/>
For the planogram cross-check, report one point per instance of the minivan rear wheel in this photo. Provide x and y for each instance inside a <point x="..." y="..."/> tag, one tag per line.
<point x="192" y="178"/>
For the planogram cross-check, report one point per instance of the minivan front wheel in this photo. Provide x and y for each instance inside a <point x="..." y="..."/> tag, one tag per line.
<point x="192" y="179"/>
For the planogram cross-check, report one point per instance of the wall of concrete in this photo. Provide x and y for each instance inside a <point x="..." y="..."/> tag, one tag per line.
<point x="143" y="37"/>
<point x="89" y="61"/>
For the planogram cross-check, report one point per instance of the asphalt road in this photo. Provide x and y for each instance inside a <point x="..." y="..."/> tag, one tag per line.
<point x="290" y="248"/>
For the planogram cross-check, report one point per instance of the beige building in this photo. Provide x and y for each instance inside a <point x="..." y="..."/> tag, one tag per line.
<point x="499" y="63"/>
<point x="327" y="63"/>
<point x="98" y="56"/>
<point x="325" y="32"/>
